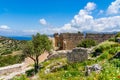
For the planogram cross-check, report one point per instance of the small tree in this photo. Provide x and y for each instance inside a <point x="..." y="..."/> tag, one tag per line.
<point x="34" y="48"/>
<point x="87" y="43"/>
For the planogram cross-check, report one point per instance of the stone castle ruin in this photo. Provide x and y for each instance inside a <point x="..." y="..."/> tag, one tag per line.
<point x="67" y="41"/>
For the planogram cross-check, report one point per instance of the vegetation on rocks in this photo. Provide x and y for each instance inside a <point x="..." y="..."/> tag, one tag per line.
<point x="76" y="71"/>
<point x="60" y="69"/>
<point x="87" y="43"/>
<point x="7" y="45"/>
<point x="10" y="60"/>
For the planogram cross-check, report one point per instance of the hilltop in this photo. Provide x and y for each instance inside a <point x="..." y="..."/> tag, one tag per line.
<point x="88" y="61"/>
<point x="99" y="62"/>
<point x="8" y="45"/>
<point x="10" y="51"/>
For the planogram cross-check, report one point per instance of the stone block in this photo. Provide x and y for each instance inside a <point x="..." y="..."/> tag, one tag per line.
<point x="77" y="55"/>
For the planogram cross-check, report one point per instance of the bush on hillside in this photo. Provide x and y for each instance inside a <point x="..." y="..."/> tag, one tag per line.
<point x="10" y="60"/>
<point x="112" y="39"/>
<point x="87" y="43"/>
<point x="118" y="34"/>
<point x="7" y="51"/>
<point x="106" y="50"/>
<point x="116" y="62"/>
<point x="20" y="77"/>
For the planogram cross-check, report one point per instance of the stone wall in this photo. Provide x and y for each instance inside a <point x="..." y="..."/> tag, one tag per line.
<point x="10" y="69"/>
<point x="67" y="41"/>
<point x="99" y="37"/>
<point x="58" y="54"/>
<point x="77" y="55"/>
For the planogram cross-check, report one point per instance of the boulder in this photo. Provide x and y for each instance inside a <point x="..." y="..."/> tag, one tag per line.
<point x="96" y="67"/>
<point x="58" y="54"/>
<point x="53" y="67"/>
<point x="77" y="55"/>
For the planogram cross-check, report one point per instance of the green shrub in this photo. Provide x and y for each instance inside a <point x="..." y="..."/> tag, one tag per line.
<point x="30" y="72"/>
<point x="99" y="49"/>
<point x="104" y="55"/>
<point x="110" y="47"/>
<point x="112" y="50"/>
<point x="116" y="62"/>
<point x="21" y="77"/>
<point x="118" y="34"/>
<point x="113" y="39"/>
<point x="7" y="51"/>
<point x="10" y="60"/>
<point x="87" y="43"/>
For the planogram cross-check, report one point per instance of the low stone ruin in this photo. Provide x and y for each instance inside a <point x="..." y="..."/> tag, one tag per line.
<point x="58" y="54"/>
<point x="53" y="67"/>
<point x="77" y="55"/>
<point x="96" y="67"/>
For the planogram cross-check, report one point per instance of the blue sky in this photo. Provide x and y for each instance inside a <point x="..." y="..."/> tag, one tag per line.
<point x="26" y="17"/>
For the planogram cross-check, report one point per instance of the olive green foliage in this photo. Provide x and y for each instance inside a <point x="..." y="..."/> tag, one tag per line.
<point x="87" y="43"/>
<point x="7" y="45"/>
<point x="107" y="49"/>
<point x="114" y="39"/>
<point x="118" y="34"/>
<point x="76" y="71"/>
<point x="38" y="45"/>
<point x="109" y="72"/>
<point x="6" y="51"/>
<point x="116" y="62"/>
<point x="30" y="72"/>
<point x="21" y="77"/>
<point x="10" y="60"/>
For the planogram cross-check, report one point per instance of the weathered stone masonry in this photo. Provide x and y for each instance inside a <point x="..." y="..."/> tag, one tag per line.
<point x="77" y="55"/>
<point x="66" y="41"/>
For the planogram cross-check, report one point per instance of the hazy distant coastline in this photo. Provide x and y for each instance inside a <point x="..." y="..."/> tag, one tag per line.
<point x="23" y="37"/>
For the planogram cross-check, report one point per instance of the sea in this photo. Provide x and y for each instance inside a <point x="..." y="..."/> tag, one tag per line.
<point x="24" y="37"/>
<point x="21" y="37"/>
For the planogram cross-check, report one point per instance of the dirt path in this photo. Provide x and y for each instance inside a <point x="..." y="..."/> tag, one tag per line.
<point x="43" y="57"/>
<point x="29" y="61"/>
<point x="24" y="67"/>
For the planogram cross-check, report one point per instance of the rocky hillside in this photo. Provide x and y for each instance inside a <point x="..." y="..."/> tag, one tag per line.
<point x="8" y="45"/>
<point x="102" y="62"/>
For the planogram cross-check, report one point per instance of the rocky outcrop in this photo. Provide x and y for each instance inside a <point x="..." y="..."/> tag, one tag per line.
<point x="58" y="54"/>
<point x="54" y="67"/>
<point x="77" y="55"/>
<point x="8" y="45"/>
<point x="8" y="72"/>
<point x="96" y="67"/>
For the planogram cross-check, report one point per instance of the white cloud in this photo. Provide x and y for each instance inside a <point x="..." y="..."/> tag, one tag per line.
<point x="114" y="8"/>
<point x="101" y="12"/>
<point x="43" y="21"/>
<point x="90" y="6"/>
<point x="84" y="21"/>
<point x="30" y="31"/>
<point x="4" y="27"/>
